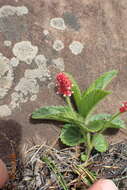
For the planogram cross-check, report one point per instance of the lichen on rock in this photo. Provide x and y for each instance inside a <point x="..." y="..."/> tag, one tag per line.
<point x="58" y="23"/>
<point x="14" y="62"/>
<point x="6" y="76"/>
<point x="25" y="51"/>
<point x="58" y="45"/>
<point x="7" y="43"/>
<point x="4" y="111"/>
<point x="8" y="10"/>
<point x="76" y="47"/>
<point x="27" y="86"/>
<point x="40" y="60"/>
<point x="59" y="63"/>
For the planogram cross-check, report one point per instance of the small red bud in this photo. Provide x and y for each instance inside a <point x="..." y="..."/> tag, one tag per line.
<point x="123" y="108"/>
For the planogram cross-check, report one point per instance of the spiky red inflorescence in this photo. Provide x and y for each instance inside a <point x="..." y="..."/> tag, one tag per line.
<point x="123" y="108"/>
<point x="64" y="85"/>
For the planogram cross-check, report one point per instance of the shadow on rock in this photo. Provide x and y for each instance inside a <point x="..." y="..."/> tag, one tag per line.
<point x="111" y="131"/>
<point x="10" y="137"/>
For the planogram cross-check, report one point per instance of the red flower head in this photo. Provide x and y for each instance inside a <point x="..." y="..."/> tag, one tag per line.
<point x="64" y="85"/>
<point x="123" y="107"/>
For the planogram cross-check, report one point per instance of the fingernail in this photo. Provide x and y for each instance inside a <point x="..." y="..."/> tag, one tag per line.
<point x="108" y="185"/>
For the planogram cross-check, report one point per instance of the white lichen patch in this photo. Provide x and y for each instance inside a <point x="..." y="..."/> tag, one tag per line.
<point x="5" y="111"/>
<point x="32" y="73"/>
<point x="24" y="90"/>
<point x="6" y="76"/>
<point x="33" y="98"/>
<point x="37" y="74"/>
<point x="24" y="51"/>
<point x="21" y="10"/>
<point x="76" y="47"/>
<point x="58" y="23"/>
<point x="58" y="45"/>
<point x="7" y="43"/>
<point x="27" y="86"/>
<point x="59" y="63"/>
<point x="45" y="32"/>
<point x="40" y="60"/>
<point x="14" y="62"/>
<point x="16" y="99"/>
<point x="51" y="85"/>
<point x="8" y="10"/>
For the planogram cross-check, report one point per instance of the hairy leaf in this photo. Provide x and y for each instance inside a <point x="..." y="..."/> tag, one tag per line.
<point x="101" y="82"/>
<point x="71" y="135"/>
<point x="89" y="101"/>
<point x="95" y="126"/>
<point x="118" y="123"/>
<point x="115" y="123"/>
<point x="100" y="143"/>
<point x="101" y="116"/>
<point x="59" y="113"/>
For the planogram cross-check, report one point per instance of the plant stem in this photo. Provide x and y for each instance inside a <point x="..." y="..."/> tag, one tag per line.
<point x="89" y="148"/>
<point x="111" y="119"/>
<point x="114" y="116"/>
<point x="86" y="176"/>
<point x="69" y="103"/>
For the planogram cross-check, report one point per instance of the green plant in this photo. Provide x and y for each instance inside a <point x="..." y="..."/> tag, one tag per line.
<point x="52" y="166"/>
<point x="81" y="126"/>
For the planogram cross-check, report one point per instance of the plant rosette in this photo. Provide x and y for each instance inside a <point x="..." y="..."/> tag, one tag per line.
<point x="81" y="125"/>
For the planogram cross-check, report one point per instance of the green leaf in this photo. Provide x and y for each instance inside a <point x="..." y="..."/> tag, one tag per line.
<point x="95" y="126"/>
<point x="101" y="116"/>
<point x="100" y="143"/>
<point x="115" y="123"/>
<point x="59" y="113"/>
<point x="71" y="135"/>
<point x="75" y="89"/>
<point x="89" y="101"/>
<point x="118" y="123"/>
<point x="83" y="157"/>
<point x="101" y="82"/>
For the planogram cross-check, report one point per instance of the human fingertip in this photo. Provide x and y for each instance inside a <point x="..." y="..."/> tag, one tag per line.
<point x="108" y="185"/>
<point x="104" y="184"/>
<point x="3" y="174"/>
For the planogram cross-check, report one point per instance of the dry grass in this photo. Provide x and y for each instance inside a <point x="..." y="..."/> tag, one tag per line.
<point x="46" y="168"/>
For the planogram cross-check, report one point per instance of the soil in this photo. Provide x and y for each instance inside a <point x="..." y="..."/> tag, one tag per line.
<point x="99" y="25"/>
<point x="113" y="164"/>
<point x="35" y="173"/>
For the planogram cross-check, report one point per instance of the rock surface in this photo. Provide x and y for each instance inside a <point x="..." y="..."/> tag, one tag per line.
<point x="41" y="38"/>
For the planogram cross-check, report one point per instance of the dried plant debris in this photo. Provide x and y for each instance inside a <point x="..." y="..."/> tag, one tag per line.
<point x="46" y="168"/>
<point x="113" y="164"/>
